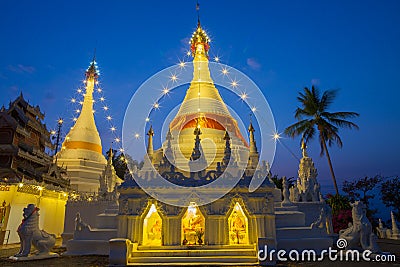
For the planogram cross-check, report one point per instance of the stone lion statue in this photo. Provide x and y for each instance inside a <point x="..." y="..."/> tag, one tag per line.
<point x="30" y="234"/>
<point x="359" y="233"/>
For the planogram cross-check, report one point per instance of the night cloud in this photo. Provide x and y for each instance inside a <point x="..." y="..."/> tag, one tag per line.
<point x="253" y="63"/>
<point x="21" y="68"/>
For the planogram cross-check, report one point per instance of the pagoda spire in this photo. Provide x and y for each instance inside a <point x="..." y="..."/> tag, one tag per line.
<point x="227" y="150"/>
<point x="150" y="149"/>
<point x="83" y="140"/>
<point x="84" y="134"/>
<point x="253" y="146"/>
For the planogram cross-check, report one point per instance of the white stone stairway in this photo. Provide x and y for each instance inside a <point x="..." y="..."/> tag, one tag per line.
<point x="194" y="255"/>
<point x="293" y="233"/>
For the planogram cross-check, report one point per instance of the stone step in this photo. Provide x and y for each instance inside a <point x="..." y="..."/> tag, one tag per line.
<point x="289" y="219"/>
<point x="194" y="261"/>
<point x="87" y="247"/>
<point x="300" y="232"/>
<point x="199" y="247"/>
<point x="278" y="207"/>
<point x="194" y="253"/>
<point x="299" y="244"/>
<point x="96" y="234"/>
<point x="106" y="221"/>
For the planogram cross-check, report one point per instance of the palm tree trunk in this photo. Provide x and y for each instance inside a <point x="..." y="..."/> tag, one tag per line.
<point x="330" y="166"/>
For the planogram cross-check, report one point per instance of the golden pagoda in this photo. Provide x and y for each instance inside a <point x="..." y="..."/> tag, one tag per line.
<point x="81" y="151"/>
<point x="203" y="107"/>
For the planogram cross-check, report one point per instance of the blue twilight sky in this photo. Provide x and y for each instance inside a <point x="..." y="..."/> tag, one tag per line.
<point x="45" y="46"/>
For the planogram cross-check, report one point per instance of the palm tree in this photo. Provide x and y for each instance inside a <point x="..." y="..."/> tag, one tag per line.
<point x="313" y="118"/>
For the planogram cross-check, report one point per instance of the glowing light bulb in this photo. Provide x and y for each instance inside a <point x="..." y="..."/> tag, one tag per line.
<point x="40" y="188"/>
<point x="20" y="185"/>
<point x="53" y="132"/>
<point x="81" y="102"/>
<point x="147" y="119"/>
<point x="77" y="111"/>
<point x="75" y="119"/>
<point x="121" y="150"/>
<point x="137" y="135"/>
<point x="93" y="111"/>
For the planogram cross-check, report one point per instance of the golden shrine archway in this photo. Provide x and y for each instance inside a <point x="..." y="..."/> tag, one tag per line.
<point x="238" y="226"/>
<point x="193" y="226"/>
<point x="152" y="228"/>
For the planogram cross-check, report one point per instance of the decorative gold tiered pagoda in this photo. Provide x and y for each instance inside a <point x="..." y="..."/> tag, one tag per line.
<point x="81" y="151"/>
<point x="203" y="107"/>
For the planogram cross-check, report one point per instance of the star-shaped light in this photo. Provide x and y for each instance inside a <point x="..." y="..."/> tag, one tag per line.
<point x="276" y="136"/>
<point x="78" y="110"/>
<point x="216" y="59"/>
<point x="244" y="96"/>
<point x="73" y="100"/>
<point x="137" y="135"/>
<point x="53" y="132"/>
<point x="108" y="118"/>
<point x="102" y="99"/>
<point x="234" y="84"/>
<point x="254" y="109"/>
<point x="174" y="78"/>
<point x="99" y="90"/>
<point x="165" y="90"/>
<point x="117" y="140"/>
<point x="121" y="150"/>
<point x="156" y="105"/>
<point x="79" y="90"/>
<point x="182" y="64"/>
<point x="225" y="71"/>
<point x="188" y="53"/>
<point x="147" y="119"/>
<point x="105" y="108"/>
<point x="75" y="119"/>
<point x="113" y="129"/>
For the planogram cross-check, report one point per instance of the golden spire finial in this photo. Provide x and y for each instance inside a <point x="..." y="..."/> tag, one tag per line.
<point x="199" y="43"/>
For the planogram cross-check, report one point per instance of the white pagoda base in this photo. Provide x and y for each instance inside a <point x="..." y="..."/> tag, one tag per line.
<point x="84" y="173"/>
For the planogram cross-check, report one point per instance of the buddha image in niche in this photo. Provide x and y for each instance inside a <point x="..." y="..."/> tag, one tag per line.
<point x="238" y="227"/>
<point x="190" y="223"/>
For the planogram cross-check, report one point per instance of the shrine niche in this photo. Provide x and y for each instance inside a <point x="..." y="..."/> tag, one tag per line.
<point x="152" y="228"/>
<point x="238" y="226"/>
<point x="193" y="226"/>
